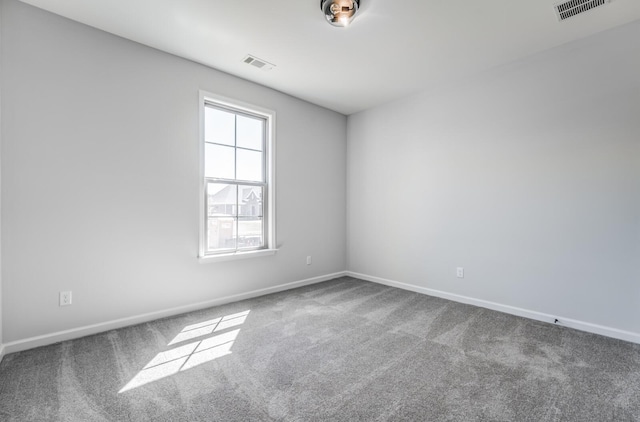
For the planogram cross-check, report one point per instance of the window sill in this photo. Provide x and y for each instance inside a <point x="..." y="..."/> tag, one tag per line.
<point x="236" y="255"/>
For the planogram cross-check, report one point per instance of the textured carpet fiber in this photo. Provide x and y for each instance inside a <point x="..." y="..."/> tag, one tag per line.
<point x="343" y="350"/>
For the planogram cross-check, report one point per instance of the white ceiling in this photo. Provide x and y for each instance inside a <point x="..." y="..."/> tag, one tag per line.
<point x="392" y="48"/>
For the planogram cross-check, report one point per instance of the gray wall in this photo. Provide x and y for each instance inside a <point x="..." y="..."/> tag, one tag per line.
<point x="528" y="176"/>
<point x="100" y="179"/>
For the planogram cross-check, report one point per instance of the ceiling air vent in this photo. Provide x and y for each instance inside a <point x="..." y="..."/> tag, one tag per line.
<point x="259" y="63"/>
<point x="570" y="8"/>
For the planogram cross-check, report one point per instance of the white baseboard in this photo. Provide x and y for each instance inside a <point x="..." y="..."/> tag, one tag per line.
<point x="539" y="316"/>
<point x="1" y="352"/>
<point x="30" y="343"/>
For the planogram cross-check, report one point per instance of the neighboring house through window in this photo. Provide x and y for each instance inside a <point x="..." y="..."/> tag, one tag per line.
<point x="237" y="178"/>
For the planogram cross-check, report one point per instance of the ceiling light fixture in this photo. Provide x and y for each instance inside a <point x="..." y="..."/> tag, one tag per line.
<point x="339" y="12"/>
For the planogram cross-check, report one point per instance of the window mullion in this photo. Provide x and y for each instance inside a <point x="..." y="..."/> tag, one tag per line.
<point x="234" y="182"/>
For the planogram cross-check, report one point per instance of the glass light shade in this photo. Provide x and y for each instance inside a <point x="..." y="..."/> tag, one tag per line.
<point x="339" y="12"/>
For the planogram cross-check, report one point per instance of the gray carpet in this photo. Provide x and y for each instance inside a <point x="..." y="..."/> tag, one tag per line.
<point x="343" y="350"/>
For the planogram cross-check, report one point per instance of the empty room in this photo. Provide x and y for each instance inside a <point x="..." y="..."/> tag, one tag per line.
<point x="320" y="210"/>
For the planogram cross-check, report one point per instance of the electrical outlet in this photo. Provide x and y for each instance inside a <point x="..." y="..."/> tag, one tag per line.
<point x="460" y="272"/>
<point x="65" y="298"/>
<point x="309" y="260"/>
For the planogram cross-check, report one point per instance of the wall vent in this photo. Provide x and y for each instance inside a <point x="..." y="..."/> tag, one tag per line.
<point x="259" y="63"/>
<point x="568" y="9"/>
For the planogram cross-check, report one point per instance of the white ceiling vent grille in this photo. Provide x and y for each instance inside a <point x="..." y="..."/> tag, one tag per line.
<point x="259" y="63"/>
<point x="568" y="9"/>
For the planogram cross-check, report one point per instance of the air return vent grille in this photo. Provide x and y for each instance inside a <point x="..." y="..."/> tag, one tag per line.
<point x="570" y="8"/>
<point x="259" y="63"/>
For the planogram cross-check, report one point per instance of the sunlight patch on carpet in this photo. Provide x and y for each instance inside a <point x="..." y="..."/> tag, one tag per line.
<point x="182" y="358"/>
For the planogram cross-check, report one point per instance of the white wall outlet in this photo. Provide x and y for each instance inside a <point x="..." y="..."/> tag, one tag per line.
<point x="309" y="260"/>
<point x="460" y="272"/>
<point x="65" y="298"/>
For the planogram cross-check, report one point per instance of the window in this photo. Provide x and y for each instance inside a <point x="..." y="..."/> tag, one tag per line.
<point x="237" y="179"/>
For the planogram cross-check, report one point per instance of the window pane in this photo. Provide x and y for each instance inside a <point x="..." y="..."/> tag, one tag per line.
<point x="250" y="201"/>
<point x="219" y="161"/>
<point x="236" y="143"/>
<point x="249" y="165"/>
<point x="221" y="233"/>
<point x="250" y="132"/>
<point x="221" y="200"/>
<point x="250" y="233"/>
<point x="219" y="126"/>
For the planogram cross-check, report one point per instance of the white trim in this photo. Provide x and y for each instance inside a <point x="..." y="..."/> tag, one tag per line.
<point x="236" y="255"/>
<point x="538" y="316"/>
<point x="1" y="352"/>
<point x="202" y="184"/>
<point x="43" y="340"/>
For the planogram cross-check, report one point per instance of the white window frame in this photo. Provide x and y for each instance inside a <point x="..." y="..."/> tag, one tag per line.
<point x="269" y="212"/>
